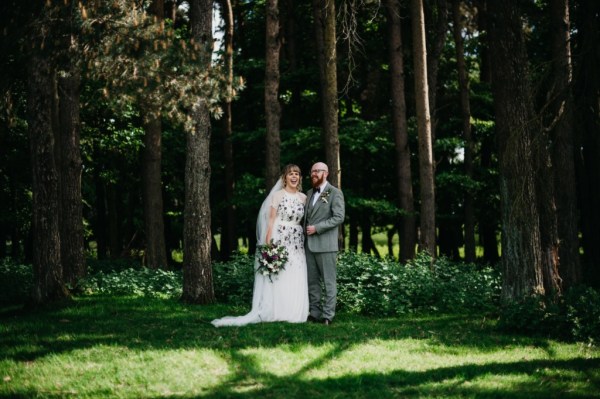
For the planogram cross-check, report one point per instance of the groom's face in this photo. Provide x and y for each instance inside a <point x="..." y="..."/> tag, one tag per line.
<point x="318" y="174"/>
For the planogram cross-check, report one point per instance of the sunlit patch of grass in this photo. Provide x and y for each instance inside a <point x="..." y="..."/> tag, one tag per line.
<point x="107" y="347"/>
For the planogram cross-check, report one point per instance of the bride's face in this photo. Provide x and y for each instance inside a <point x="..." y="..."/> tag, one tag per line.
<point x="292" y="179"/>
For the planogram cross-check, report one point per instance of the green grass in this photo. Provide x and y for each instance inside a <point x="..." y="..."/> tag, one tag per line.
<point x="111" y="347"/>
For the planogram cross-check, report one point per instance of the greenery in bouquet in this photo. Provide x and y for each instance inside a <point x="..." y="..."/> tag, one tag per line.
<point x="271" y="258"/>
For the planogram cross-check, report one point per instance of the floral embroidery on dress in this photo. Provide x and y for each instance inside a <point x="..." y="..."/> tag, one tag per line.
<point x="289" y="231"/>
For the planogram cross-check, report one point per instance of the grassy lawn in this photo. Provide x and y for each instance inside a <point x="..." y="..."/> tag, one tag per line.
<point x="107" y="347"/>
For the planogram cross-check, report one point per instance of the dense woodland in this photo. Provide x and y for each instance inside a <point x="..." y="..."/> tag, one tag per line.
<point x="469" y="129"/>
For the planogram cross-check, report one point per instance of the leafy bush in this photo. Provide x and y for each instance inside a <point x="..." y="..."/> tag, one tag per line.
<point x="142" y="282"/>
<point x="16" y="282"/>
<point x="234" y="280"/>
<point x="382" y="286"/>
<point x="583" y="314"/>
<point x="575" y="315"/>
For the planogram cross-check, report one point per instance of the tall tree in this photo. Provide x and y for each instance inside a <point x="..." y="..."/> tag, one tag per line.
<point x="426" y="166"/>
<point x="436" y="25"/>
<point x="47" y="268"/>
<point x="70" y="165"/>
<point x="528" y="252"/>
<point x="407" y="224"/>
<point x="588" y="138"/>
<point x="272" y="107"/>
<point x="325" y="32"/>
<point x="488" y="226"/>
<point x="465" y="105"/>
<point x="563" y="152"/>
<point x="228" y="233"/>
<point x="197" y="237"/>
<point x="155" y="253"/>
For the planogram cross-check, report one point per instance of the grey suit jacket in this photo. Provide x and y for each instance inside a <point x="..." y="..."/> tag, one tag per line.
<point x="326" y="215"/>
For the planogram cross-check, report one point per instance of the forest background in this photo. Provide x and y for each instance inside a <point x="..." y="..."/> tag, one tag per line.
<point x="465" y="129"/>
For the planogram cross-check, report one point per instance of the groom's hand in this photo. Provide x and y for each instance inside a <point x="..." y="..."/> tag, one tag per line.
<point x="310" y="230"/>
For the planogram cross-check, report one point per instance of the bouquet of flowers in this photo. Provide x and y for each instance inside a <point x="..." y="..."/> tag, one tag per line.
<point x="271" y="259"/>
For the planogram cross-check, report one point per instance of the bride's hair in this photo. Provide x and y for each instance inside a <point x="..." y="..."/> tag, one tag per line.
<point x="291" y="168"/>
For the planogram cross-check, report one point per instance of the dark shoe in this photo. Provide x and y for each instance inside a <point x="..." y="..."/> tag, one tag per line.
<point x="312" y="319"/>
<point x="327" y="322"/>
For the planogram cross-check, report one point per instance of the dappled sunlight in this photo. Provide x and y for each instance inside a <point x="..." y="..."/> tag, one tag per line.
<point x="131" y="348"/>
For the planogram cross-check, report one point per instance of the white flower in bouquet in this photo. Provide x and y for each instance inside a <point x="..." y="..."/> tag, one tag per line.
<point x="272" y="259"/>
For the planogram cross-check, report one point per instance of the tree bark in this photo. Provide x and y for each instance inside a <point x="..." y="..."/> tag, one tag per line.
<point x="48" y="283"/>
<point x="563" y="152"/>
<point x="325" y="31"/>
<point x="71" y="224"/>
<point x="228" y="231"/>
<point x="155" y="253"/>
<point x="488" y="226"/>
<point x="438" y="21"/>
<point x="272" y="107"/>
<point x="588" y="138"/>
<point x="527" y="250"/>
<point x="407" y="230"/>
<point x="463" y="83"/>
<point x="293" y="112"/>
<point x="426" y="167"/>
<point x="197" y="237"/>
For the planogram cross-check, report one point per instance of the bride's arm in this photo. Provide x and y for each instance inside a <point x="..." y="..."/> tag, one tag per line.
<point x="272" y="214"/>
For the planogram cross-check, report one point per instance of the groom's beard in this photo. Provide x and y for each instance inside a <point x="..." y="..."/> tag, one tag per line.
<point x="317" y="181"/>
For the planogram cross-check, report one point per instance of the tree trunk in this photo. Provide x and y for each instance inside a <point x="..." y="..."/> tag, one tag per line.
<point x="155" y="253"/>
<point x="228" y="233"/>
<point x="272" y="107"/>
<point x="407" y="230"/>
<point x="197" y="268"/>
<point x="563" y="151"/>
<point x="324" y="17"/>
<point x="588" y="139"/>
<point x="527" y="258"/>
<point x="438" y="21"/>
<point x="488" y="226"/>
<point x="100" y="227"/>
<point x="426" y="167"/>
<point x="48" y="283"/>
<point x="71" y="223"/>
<point x="463" y="83"/>
<point x="293" y="112"/>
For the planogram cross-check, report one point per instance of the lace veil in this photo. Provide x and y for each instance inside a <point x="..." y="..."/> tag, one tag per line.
<point x="262" y="221"/>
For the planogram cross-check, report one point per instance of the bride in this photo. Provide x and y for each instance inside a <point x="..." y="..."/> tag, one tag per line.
<point x="285" y="298"/>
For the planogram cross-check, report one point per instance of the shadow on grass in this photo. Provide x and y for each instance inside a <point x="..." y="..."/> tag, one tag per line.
<point x="139" y="323"/>
<point x="464" y="381"/>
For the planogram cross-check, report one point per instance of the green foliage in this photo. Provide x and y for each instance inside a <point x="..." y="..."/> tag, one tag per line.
<point x="575" y="315"/>
<point x="16" y="282"/>
<point x="370" y="285"/>
<point x="583" y="314"/>
<point x="141" y="282"/>
<point x="384" y="287"/>
<point x="234" y="280"/>
<point x="151" y="63"/>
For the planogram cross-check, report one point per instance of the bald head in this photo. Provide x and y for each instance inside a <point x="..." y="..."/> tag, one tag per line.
<point x="318" y="174"/>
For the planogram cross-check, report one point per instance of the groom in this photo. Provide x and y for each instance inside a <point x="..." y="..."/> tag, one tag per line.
<point x="324" y="214"/>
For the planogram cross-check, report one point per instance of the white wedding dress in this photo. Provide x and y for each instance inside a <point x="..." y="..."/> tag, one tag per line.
<point x="285" y="298"/>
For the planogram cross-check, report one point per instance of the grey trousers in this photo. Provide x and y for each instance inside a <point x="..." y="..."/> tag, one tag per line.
<point x="321" y="266"/>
